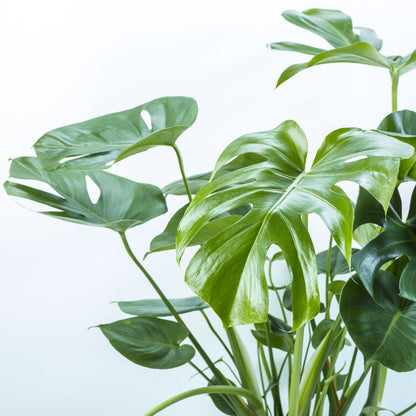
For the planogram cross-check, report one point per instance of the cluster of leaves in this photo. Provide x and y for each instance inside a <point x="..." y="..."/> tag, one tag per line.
<point x="256" y="198"/>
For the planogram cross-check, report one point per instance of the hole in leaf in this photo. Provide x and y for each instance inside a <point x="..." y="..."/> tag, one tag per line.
<point x="146" y="118"/>
<point x="69" y="158"/>
<point x="93" y="190"/>
<point x="354" y="159"/>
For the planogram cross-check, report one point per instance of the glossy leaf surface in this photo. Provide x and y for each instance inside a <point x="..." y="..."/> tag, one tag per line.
<point x="95" y="144"/>
<point x="228" y="270"/>
<point x="388" y="322"/>
<point x="149" y="342"/>
<point x="338" y="264"/>
<point x="122" y="203"/>
<point x="408" y="281"/>
<point x="397" y="239"/>
<point x="156" y="308"/>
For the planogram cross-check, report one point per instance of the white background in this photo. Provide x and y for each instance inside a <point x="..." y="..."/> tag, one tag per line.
<point x="67" y="61"/>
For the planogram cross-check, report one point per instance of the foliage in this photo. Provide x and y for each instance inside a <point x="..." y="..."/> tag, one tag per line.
<point x="248" y="215"/>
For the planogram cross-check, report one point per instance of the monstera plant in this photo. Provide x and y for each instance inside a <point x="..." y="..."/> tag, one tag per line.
<point x="249" y="213"/>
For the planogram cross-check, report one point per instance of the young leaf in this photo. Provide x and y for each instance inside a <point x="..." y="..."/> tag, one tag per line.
<point x="228" y="270"/>
<point x="156" y="307"/>
<point x="122" y="203"/>
<point x="149" y="342"/>
<point x="383" y="328"/>
<point x="95" y="144"/>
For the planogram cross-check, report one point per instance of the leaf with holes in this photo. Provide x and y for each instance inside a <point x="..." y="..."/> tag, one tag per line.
<point x="351" y="45"/>
<point x="388" y="322"/>
<point x="397" y="239"/>
<point x="95" y="144"/>
<point x="150" y="342"/>
<point x="122" y="203"/>
<point x="228" y="270"/>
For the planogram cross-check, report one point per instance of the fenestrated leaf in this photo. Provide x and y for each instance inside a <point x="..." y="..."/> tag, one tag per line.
<point x="397" y="239"/>
<point x="156" y="308"/>
<point x="167" y="239"/>
<point x="383" y="328"/>
<point x="149" y="342"/>
<point x="402" y="125"/>
<point x="359" y="53"/>
<point x="122" y="203"/>
<point x="408" y="281"/>
<point x="338" y="264"/>
<point x="95" y="144"/>
<point x="228" y="270"/>
<point x="332" y="25"/>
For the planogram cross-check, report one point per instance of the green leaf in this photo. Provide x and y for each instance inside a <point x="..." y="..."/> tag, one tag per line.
<point x="408" y="281"/>
<point x="219" y="400"/>
<point x="167" y="239"/>
<point x="332" y="25"/>
<point x="406" y="63"/>
<point x="338" y="263"/>
<point x="359" y="53"/>
<point x="295" y="47"/>
<point x="402" y="125"/>
<point x="374" y="410"/>
<point x="280" y="336"/>
<point x="336" y="287"/>
<point x="196" y="182"/>
<point x="321" y="331"/>
<point x="122" y="203"/>
<point x="149" y="342"/>
<point x="398" y="238"/>
<point x="97" y="143"/>
<point x="156" y="308"/>
<point x="383" y="328"/>
<point x="279" y="190"/>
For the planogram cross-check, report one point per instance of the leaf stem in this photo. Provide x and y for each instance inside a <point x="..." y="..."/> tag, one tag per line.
<point x="348" y="379"/>
<point x="296" y="373"/>
<point x="181" y="167"/>
<point x="328" y="276"/>
<point x="394" y="86"/>
<point x="406" y="410"/>
<point x="237" y="391"/>
<point x="374" y="386"/>
<point x="217" y="373"/>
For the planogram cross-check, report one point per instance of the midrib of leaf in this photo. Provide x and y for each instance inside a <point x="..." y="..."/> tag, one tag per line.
<point x="396" y="317"/>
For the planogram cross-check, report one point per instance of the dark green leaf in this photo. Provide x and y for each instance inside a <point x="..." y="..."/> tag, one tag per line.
<point x="220" y="401"/>
<point x="383" y="328"/>
<point x="195" y="182"/>
<point x="408" y="281"/>
<point x="398" y="238"/>
<point x="279" y="190"/>
<point x="282" y="342"/>
<point x="338" y="263"/>
<point x="321" y="331"/>
<point x="287" y="299"/>
<point x="336" y="287"/>
<point x="340" y="381"/>
<point x="95" y="144"/>
<point x="122" y="203"/>
<point x="149" y="342"/>
<point x="278" y="326"/>
<point x="156" y="308"/>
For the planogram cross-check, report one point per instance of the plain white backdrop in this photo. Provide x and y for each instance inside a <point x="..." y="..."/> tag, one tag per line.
<point x="68" y="61"/>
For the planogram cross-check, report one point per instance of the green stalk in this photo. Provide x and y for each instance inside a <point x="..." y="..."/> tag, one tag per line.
<point x="328" y="273"/>
<point x="406" y="410"/>
<point x="374" y="386"/>
<point x="181" y="167"/>
<point x="219" y="376"/>
<point x="236" y="391"/>
<point x="348" y="379"/>
<point x="296" y="373"/>
<point x="245" y="369"/>
<point x="394" y="86"/>
<point x="211" y="327"/>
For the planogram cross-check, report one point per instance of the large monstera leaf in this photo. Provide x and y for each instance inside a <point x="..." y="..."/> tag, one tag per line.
<point x="355" y="45"/>
<point x="228" y="270"/>
<point x="122" y="203"/>
<point x="97" y="143"/>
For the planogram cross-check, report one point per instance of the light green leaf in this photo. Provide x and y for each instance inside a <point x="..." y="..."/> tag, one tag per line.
<point x="149" y="342"/>
<point x="383" y="328"/>
<point x="156" y="307"/>
<point x="228" y="270"/>
<point x="359" y="53"/>
<point x="295" y="47"/>
<point x="122" y="203"/>
<point x="97" y="143"/>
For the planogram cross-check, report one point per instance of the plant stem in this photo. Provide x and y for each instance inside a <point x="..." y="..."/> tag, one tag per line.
<point x="199" y="371"/>
<point x="181" y="167"/>
<point x="394" y="86"/>
<point x="406" y="410"/>
<point x="278" y="411"/>
<point x="172" y="310"/>
<point x="237" y="391"/>
<point x="328" y="274"/>
<point x="296" y="373"/>
<point x="211" y="327"/>
<point x="348" y="379"/>
<point x="374" y="386"/>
